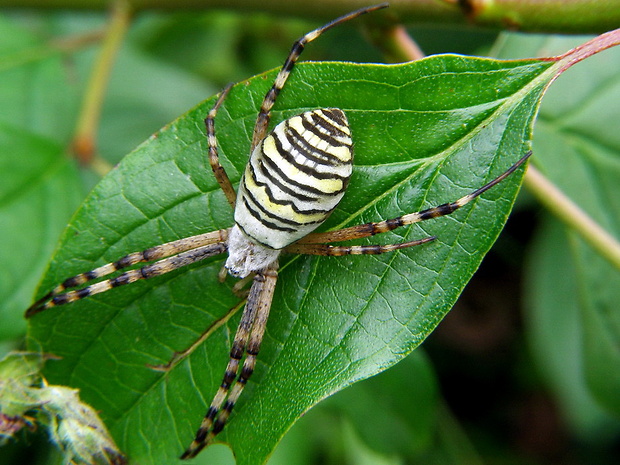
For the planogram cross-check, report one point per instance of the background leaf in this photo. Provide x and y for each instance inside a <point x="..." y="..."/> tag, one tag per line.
<point x="579" y="148"/>
<point x="425" y="133"/>
<point x="555" y="330"/>
<point x="40" y="186"/>
<point x="36" y="201"/>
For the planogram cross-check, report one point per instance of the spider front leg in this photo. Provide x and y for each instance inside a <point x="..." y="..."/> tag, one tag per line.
<point x="214" y="159"/>
<point x="247" y="341"/>
<point x="262" y="122"/>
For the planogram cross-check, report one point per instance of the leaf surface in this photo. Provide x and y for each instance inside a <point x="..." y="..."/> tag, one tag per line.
<point x="425" y="133"/>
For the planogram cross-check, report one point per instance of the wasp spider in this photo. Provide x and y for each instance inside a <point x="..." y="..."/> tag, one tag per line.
<point x="297" y="174"/>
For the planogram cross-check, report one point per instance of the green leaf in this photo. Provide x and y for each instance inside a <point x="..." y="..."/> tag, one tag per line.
<point x="39" y="189"/>
<point x="72" y="425"/>
<point x="577" y="146"/>
<point x="34" y="94"/>
<point x="556" y="335"/>
<point x="402" y="403"/>
<point x="425" y="133"/>
<point x="601" y="323"/>
<point x="586" y="167"/>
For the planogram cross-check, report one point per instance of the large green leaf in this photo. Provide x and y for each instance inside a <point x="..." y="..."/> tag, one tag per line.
<point x="425" y="133"/>
<point x="34" y="94"/>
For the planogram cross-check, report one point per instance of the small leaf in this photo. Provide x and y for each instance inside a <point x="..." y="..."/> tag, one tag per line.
<point x="425" y="133"/>
<point x="76" y="428"/>
<point x="71" y="424"/>
<point x="18" y="372"/>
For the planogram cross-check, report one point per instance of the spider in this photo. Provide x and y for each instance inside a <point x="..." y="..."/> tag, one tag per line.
<point x="295" y="177"/>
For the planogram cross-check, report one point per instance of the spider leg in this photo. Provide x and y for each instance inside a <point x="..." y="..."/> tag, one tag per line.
<point x="262" y="122"/>
<point x="370" y="229"/>
<point x="182" y="258"/>
<point x="239" y="287"/>
<point x="247" y="340"/>
<point x="214" y="158"/>
<point x="338" y="250"/>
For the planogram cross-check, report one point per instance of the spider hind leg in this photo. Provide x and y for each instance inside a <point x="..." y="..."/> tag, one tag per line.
<point x="247" y="341"/>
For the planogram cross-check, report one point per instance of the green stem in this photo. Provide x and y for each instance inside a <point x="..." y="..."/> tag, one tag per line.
<point x="573" y="216"/>
<point x="566" y="16"/>
<point x="396" y="44"/>
<point x="88" y="121"/>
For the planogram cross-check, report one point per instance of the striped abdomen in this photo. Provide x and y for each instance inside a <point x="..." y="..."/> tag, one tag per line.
<point x="295" y="178"/>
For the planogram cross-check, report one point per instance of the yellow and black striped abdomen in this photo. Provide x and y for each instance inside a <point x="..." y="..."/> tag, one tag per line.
<point x="295" y="178"/>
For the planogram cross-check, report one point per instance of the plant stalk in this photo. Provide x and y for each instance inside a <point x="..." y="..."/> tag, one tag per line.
<point x="560" y="16"/>
<point x="84" y="140"/>
<point x="572" y="215"/>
